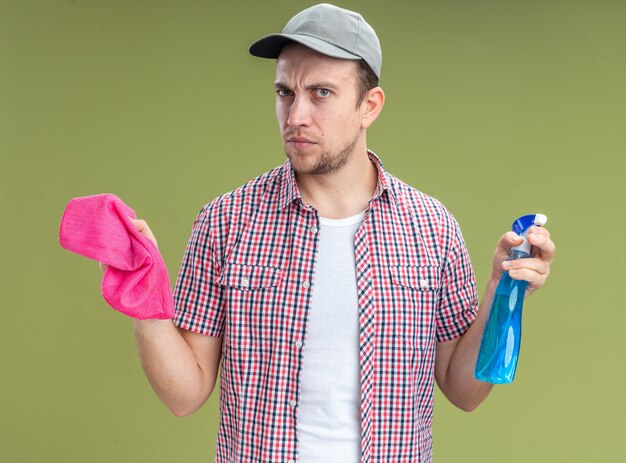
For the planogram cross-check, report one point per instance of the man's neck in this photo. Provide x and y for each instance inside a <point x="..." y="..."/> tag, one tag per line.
<point x="343" y="193"/>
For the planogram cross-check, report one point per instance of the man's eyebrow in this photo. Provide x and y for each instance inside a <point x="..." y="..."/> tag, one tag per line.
<point x="323" y="84"/>
<point x="279" y="84"/>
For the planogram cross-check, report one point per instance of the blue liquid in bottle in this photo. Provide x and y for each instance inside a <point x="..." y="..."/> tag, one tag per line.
<point x="499" y="348"/>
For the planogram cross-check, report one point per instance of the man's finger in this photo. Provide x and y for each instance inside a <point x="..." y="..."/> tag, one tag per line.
<point x="540" y="230"/>
<point x="534" y="279"/>
<point x="510" y="239"/>
<point x="544" y="244"/>
<point x="534" y="264"/>
<point x="143" y="228"/>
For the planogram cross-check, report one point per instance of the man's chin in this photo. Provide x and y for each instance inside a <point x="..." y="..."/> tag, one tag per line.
<point x="300" y="165"/>
<point x="313" y="163"/>
<point x="300" y="159"/>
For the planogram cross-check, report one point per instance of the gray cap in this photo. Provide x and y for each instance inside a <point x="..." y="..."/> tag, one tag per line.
<point x="329" y="30"/>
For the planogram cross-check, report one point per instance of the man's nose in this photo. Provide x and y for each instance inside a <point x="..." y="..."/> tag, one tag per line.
<point x="299" y="112"/>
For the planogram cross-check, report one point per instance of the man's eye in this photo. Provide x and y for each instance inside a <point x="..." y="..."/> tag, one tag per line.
<point x="283" y="92"/>
<point x="323" y="92"/>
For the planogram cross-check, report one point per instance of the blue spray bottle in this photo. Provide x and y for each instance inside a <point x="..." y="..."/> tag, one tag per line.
<point x="499" y="347"/>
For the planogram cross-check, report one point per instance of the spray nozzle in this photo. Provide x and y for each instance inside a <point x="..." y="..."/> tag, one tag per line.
<point x="521" y="226"/>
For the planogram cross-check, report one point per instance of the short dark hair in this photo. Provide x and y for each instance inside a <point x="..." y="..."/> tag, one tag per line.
<point x="366" y="80"/>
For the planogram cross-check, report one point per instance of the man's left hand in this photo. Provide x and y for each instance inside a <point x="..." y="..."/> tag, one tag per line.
<point x="534" y="269"/>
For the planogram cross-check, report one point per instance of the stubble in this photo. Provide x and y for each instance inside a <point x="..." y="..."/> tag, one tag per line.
<point x="329" y="163"/>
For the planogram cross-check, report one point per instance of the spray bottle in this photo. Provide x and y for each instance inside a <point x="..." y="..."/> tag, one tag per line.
<point x="499" y="347"/>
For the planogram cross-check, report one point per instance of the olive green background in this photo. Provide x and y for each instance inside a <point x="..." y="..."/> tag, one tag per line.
<point x="497" y="108"/>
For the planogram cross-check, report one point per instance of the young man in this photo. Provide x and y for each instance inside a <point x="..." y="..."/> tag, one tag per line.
<point x="332" y="294"/>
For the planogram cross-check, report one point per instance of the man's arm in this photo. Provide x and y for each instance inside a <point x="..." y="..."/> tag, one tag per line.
<point x="455" y="360"/>
<point x="181" y="365"/>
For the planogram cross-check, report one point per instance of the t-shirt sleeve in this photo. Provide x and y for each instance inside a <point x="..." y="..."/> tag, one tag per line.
<point x="458" y="303"/>
<point x="198" y="299"/>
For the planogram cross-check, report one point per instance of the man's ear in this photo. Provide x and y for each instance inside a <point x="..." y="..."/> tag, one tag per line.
<point x="371" y="106"/>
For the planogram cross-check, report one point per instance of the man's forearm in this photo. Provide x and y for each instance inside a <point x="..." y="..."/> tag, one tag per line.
<point x="461" y="387"/>
<point x="170" y="365"/>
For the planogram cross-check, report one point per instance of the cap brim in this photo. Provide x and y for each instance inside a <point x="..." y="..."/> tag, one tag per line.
<point x="271" y="45"/>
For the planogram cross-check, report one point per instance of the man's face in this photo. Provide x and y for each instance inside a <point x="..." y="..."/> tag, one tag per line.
<point x="316" y="108"/>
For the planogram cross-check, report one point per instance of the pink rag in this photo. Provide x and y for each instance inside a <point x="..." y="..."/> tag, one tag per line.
<point x="136" y="281"/>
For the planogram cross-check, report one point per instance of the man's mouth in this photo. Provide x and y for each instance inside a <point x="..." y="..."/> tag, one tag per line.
<point x="300" y="142"/>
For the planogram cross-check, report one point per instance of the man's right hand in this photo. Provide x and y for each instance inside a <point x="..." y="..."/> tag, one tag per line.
<point x="143" y="228"/>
